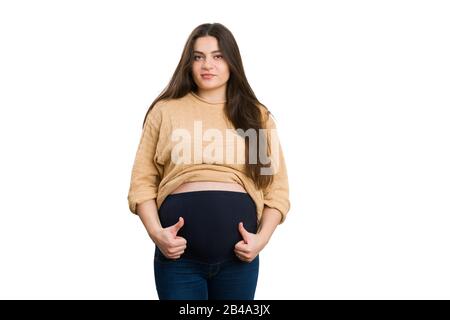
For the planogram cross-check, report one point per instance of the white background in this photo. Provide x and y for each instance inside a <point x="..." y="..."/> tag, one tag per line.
<point x="359" y="91"/>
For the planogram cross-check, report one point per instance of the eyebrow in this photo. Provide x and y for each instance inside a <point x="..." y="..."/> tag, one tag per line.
<point x="196" y="51"/>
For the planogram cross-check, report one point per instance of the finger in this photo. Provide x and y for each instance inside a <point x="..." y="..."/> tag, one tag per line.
<point x="242" y="251"/>
<point x="178" y="225"/>
<point x="241" y="245"/>
<point x="243" y="232"/>
<point x="242" y="257"/>
<point x="174" y="253"/>
<point x="179" y="241"/>
<point x="176" y="249"/>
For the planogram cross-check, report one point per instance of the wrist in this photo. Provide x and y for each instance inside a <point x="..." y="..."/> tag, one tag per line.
<point x="154" y="232"/>
<point x="264" y="239"/>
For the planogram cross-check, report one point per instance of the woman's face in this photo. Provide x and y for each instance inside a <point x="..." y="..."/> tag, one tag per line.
<point x="209" y="68"/>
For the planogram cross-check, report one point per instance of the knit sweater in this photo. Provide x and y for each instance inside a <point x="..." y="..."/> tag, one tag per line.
<point x="165" y="158"/>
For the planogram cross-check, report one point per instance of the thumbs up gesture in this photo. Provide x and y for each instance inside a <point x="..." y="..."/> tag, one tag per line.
<point x="250" y="245"/>
<point x="171" y="245"/>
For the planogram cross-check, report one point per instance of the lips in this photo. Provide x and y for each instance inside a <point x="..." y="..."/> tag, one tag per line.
<point x="207" y="75"/>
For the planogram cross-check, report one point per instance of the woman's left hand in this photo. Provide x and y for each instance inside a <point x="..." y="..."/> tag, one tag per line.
<point x="248" y="248"/>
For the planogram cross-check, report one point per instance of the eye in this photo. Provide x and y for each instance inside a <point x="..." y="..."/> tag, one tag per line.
<point x="218" y="56"/>
<point x="195" y="57"/>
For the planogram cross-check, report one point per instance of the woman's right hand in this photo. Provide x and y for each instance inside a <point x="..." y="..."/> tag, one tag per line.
<point x="171" y="245"/>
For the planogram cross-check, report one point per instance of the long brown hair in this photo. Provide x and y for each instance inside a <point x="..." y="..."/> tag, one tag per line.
<point x="241" y="103"/>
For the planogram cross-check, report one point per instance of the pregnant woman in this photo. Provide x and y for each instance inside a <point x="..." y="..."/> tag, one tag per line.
<point x="209" y="180"/>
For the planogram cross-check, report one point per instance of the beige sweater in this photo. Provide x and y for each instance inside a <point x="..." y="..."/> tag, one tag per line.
<point x="174" y="149"/>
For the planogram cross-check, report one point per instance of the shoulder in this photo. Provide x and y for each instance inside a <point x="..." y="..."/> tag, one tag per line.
<point x="171" y="105"/>
<point x="266" y="116"/>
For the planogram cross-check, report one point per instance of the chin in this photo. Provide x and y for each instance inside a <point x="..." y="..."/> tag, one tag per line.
<point x="209" y="86"/>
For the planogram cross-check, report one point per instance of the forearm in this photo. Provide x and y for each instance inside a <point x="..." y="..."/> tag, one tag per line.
<point x="269" y="222"/>
<point x="148" y="213"/>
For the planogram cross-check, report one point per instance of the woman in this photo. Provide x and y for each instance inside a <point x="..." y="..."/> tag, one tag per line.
<point x="208" y="209"/>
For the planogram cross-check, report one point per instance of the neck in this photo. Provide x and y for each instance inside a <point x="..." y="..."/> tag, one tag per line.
<point x="213" y="95"/>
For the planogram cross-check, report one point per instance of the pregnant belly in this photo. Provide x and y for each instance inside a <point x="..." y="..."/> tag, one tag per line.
<point x="211" y="220"/>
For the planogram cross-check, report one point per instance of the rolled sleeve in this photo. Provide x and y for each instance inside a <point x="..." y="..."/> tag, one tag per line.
<point x="277" y="194"/>
<point x="145" y="175"/>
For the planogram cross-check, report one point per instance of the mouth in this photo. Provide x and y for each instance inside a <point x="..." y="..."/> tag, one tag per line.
<point x="207" y="76"/>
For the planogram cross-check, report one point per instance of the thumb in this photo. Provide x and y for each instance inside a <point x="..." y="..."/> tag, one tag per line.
<point x="243" y="232"/>
<point x="177" y="226"/>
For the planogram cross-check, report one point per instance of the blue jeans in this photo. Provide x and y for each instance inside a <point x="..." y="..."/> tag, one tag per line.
<point x="189" y="279"/>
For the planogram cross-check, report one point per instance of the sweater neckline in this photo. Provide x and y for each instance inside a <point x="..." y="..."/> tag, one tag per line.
<point x="205" y="101"/>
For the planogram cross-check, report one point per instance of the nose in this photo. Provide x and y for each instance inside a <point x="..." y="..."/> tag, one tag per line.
<point x="206" y="64"/>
